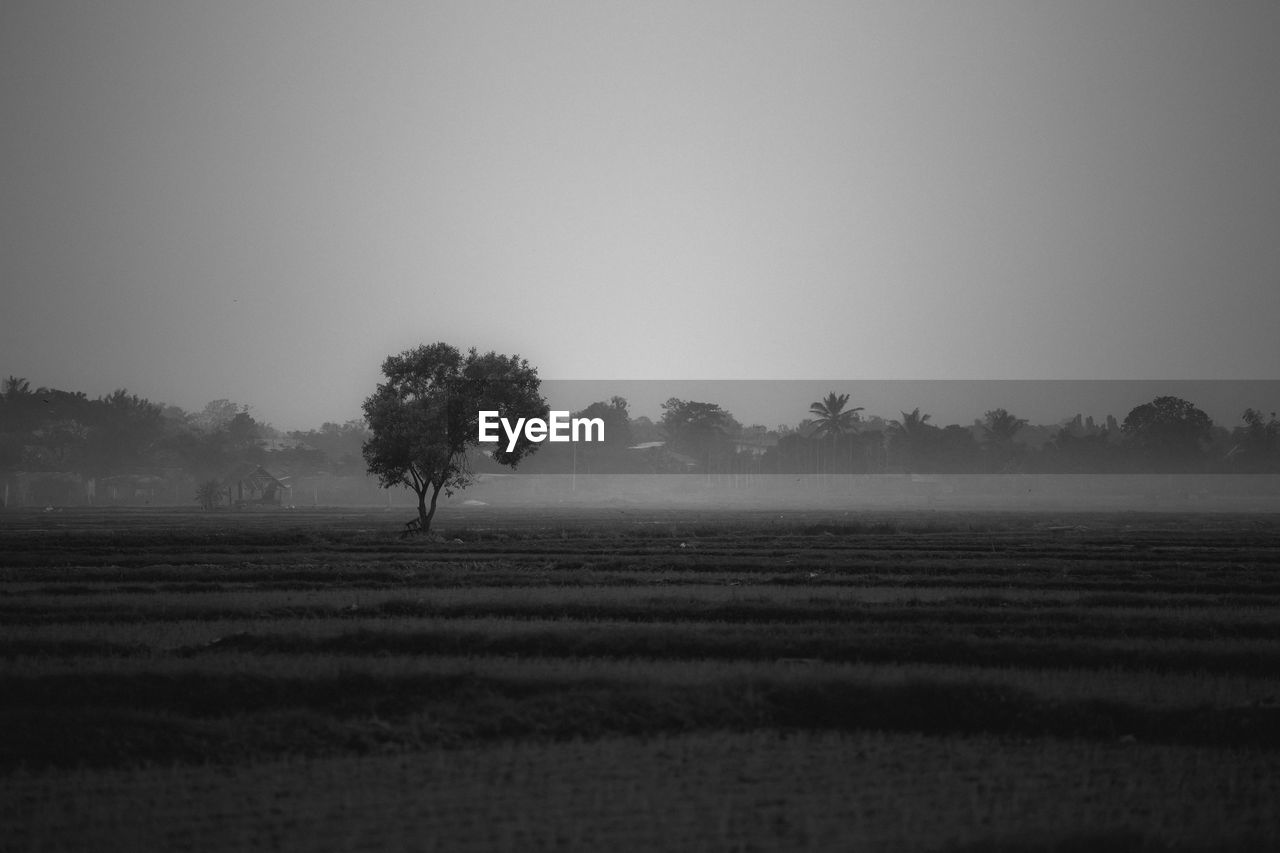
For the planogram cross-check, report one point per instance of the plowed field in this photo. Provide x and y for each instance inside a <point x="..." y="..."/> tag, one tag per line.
<point x="639" y="680"/>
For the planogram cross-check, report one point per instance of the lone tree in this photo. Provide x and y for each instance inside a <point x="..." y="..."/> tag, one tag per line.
<point x="425" y="416"/>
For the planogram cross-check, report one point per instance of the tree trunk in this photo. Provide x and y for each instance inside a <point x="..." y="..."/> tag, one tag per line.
<point x="425" y="513"/>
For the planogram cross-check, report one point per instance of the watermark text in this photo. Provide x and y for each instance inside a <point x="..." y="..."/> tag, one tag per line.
<point x="559" y="427"/>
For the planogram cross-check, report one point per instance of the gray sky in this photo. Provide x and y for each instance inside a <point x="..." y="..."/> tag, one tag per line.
<point x="261" y="200"/>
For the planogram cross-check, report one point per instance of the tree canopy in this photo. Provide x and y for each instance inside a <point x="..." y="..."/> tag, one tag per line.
<point x="1169" y="432"/>
<point x="702" y="430"/>
<point x="425" y="417"/>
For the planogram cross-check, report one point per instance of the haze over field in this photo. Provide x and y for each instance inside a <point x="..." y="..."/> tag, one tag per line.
<point x="260" y="202"/>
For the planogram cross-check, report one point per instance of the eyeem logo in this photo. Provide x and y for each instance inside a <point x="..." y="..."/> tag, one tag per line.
<point x="560" y="428"/>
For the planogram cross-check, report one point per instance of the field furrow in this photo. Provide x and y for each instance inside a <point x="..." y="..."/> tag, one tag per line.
<point x="188" y="641"/>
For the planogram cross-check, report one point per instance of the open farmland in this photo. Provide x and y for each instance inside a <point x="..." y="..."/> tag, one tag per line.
<point x="640" y="679"/>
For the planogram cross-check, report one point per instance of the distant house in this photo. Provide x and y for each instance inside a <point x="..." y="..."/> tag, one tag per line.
<point x="278" y="445"/>
<point x="138" y="487"/>
<point x="756" y="445"/>
<point x="256" y="484"/>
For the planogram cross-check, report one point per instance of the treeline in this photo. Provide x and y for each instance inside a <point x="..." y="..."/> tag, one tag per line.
<point x="1165" y="435"/>
<point x="50" y="430"/>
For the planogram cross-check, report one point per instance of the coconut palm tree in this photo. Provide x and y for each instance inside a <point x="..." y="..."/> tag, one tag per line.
<point x="909" y="436"/>
<point x="833" y="421"/>
<point x="15" y="387"/>
<point x="912" y="423"/>
<point x="831" y="418"/>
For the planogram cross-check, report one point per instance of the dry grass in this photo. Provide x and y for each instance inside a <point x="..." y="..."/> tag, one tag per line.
<point x="749" y="791"/>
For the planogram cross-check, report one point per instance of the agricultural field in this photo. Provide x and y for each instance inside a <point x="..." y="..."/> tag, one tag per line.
<point x="639" y="679"/>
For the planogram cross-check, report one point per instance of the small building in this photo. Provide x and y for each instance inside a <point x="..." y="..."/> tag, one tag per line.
<point x="257" y="485"/>
<point x="139" y="487"/>
<point x="756" y="445"/>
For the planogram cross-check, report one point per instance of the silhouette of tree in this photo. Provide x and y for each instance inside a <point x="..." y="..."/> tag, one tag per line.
<point x="1077" y="452"/>
<point x="831" y="418"/>
<point x="910" y="439"/>
<point x="425" y="416"/>
<point x="953" y="450"/>
<point x="609" y="456"/>
<point x="339" y="444"/>
<point x="1256" y="445"/>
<point x="834" y="423"/>
<point x="701" y="430"/>
<point x="123" y="431"/>
<point x="15" y="387"/>
<point x="999" y="428"/>
<point x="1168" y="434"/>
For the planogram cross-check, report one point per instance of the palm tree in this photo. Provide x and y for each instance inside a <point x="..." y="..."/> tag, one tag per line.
<point x="832" y="419"/>
<point x="911" y="424"/>
<point x="15" y="387"/>
<point x="908" y="435"/>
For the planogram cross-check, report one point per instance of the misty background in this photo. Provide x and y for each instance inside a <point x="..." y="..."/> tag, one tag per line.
<point x="65" y="448"/>
<point x="259" y="202"/>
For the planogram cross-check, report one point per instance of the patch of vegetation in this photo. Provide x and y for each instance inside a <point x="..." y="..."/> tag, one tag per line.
<point x="103" y="720"/>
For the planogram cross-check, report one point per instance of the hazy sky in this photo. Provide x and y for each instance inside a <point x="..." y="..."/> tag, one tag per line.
<point x="261" y="200"/>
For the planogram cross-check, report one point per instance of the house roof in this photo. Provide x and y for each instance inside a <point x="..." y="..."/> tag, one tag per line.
<point x="274" y="445"/>
<point x="249" y="472"/>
